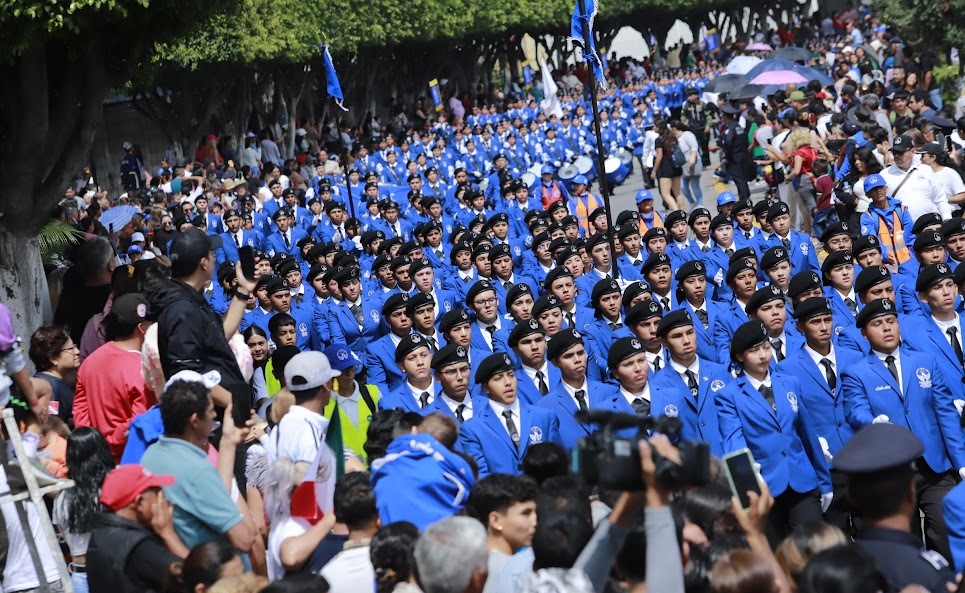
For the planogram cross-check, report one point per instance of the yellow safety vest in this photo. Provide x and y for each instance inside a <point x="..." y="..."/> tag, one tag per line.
<point x="354" y="437"/>
<point x="894" y="238"/>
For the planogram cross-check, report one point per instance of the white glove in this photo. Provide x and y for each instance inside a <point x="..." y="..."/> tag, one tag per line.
<point x="826" y="501"/>
<point x="959" y="405"/>
<point x="880" y="419"/>
<point x="357" y="240"/>
<point x="824" y="448"/>
<point x="961" y="472"/>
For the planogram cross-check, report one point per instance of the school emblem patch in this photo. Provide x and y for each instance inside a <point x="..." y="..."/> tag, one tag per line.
<point x="670" y="410"/>
<point x="303" y="329"/>
<point x="716" y="385"/>
<point x="535" y="435"/>
<point x="924" y="378"/>
<point x="792" y="400"/>
<point x="375" y="316"/>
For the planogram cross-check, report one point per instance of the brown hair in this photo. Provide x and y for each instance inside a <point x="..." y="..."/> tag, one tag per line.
<point x="442" y="427"/>
<point x="803" y="543"/>
<point x="46" y="343"/>
<point x="742" y="571"/>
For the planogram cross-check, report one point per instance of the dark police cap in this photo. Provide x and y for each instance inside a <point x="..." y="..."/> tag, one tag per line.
<point x="737" y="267"/>
<point x="869" y="277"/>
<point x="346" y="275"/>
<point x="774" y="256"/>
<point x="835" y="229"/>
<point x="417" y="301"/>
<point x="516" y="292"/>
<point x="953" y="227"/>
<point x="763" y="295"/>
<point x="721" y="220"/>
<point x="545" y="303"/>
<point x="394" y="303"/>
<point x="672" y="320"/>
<point x="932" y="274"/>
<point x="656" y="232"/>
<point x="698" y="213"/>
<point x="655" y="260"/>
<point x="603" y="287"/>
<point x="623" y="349"/>
<point x="777" y="209"/>
<point x="837" y="258"/>
<point x="522" y="330"/>
<point x="729" y="109"/>
<point x="803" y="282"/>
<point x="812" y="307"/>
<point x="633" y="290"/>
<point x="694" y="267"/>
<point x="642" y="311"/>
<point x="878" y="447"/>
<point x="562" y="342"/>
<point x="874" y="309"/>
<point x="749" y="334"/>
<point x="449" y="355"/>
<point x="498" y="251"/>
<point x="409" y="344"/>
<point x="477" y="289"/>
<point x="493" y="365"/>
<point x="865" y="243"/>
<point x="674" y="217"/>
<point x="453" y="319"/>
<point x="926" y="220"/>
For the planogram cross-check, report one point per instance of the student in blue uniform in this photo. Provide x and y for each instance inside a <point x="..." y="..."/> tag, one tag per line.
<point x="742" y="279"/>
<point x="452" y="372"/>
<point x="642" y="320"/>
<point x="797" y="244"/>
<point x="535" y="375"/>
<point x="235" y="238"/>
<point x="838" y="273"/>
<point x="686" y="386"/>
<point x="285" y="238"/>
<point x="873" y="282"/>
<point x="939" y="331"/>
<point x="504" y="276"/>
<point x="898" y="385"/>
<point x="627" y="361"/>
<point x="575" y="392"/>
<point x="691" y="293"/>
<point x="419" y="390"/>
<point x="607" y="320"/>
<point x="482" y="300"/>
<point x="424" y="280"/>
<point x="500" y="433"/>
<point x="762" y="410"/>
<point x="354" y="321"/>
<point x="380" y="359"/>
<point x="679" y="247"/>
<point x="419" y="308"/>
<point x="769" y="306"/>
<point x="658" y="272"/>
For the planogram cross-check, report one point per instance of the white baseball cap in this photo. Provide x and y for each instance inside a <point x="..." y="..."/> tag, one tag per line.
<point x="138" y="236"/>
<point x="308" y="370"/>
<point x="209" y="379"/>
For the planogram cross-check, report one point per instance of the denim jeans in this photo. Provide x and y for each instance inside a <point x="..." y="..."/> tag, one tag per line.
<point x="690" y="186"/>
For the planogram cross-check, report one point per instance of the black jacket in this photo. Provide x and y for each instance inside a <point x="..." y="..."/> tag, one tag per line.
<point x="124" y="557"/>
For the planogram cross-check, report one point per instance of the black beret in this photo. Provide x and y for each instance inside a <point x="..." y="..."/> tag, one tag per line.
<point x="741" y="205"/>
<point x="869" y="277"/>
<point x="540" y="239"/>
<point x="419" y="263"/>
<point x="837" y="258"/>
<point x="655" y="233"/>
<point x="563" y="341"/>
<point x="737" y="267"/>
<point x="655" y="260"/>
<point x="959" y="275"/>
<point x="601" y="211"/>
<point x="953" y="227"/>
<point x="280" y="212"/>
<point x="346" y="275"/>
<point x="394" y="302"/>
<point x="409" y="247"/>
<point x="694" y="267"/>
<point x="674" y="217"/>
<point x="878" y="447"/>
<point x="546" y="302"/>
<point x="642" y="311"/>
<point x="603" y="287"/>
<point x="568" y="251"/>
<point x="777" y="209"/>
<point x="518" y="290"/>
<point x="774" y="256"/>
<point x="926" y="220"/>
<point x="380" y="261"/>
<point x="931" y="275"/>
<point x="628" y="216"/>
<point x="874" y="309"/>
<point x="721" y="220"/>
<point x="286" y="266"/>
<point x="417" y="301"/>
<point x="763" y="295"/>
<point x="496" y="218"/>
<point x="742" y="253"/>
<point x="499" y="251"/>
<point x="232" y="213"/>
<point x="374" y="235"/>
<point x="226" y="272"/>
<point x="674" y="319"/>
<point x="410" y="343"/>
<point x="402" y="260"/>
<point x="448" y="355"/>
<point x="623" y="349"/>
<point x="276" y="284"/>
<point x="523" y="329"/>
<point x="482" y="249"/>
<point x="554" y="275"/>
<point x="697" y="213"/>
<point x="478" y="288"/>
<point x="597" y="239"/>
<point x="865" y="243"/>
<point x="330" y="274"/>
<point x="803" y="282"/>
<point x="749" y="334"/>
<point x="452" y="319"/>
<point x="633" y="290"/>
<point x="834" y="229"/>
<point x="306" y="240"/>
<point x="493" y="365"/>
<point x="627" y="230"/>
<point x="333" y="205"/>
<point x="927" y="240"/>
<point x="812" y="307"/>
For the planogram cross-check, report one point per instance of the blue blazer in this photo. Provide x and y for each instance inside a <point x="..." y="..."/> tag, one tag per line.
<point x="320" y="322"/>
<point x="381" y="366"/>
<point x="706" y="346"/>
<point x="953" y="509"/>
<point x="275" y="243"/>
<point x="680" y="256"/>
<point x="454" y="283"/>
<point x="724" y="328"/>
<point x="229" y="251"/>
<point x="670" y="396"/>
<point x="485" y="438"/>
<point x="930" y="339"/>
<point x="527" y="391"/>
<point x="801" y="253"/>
<point x="599" y="397"/>
<point x="343" y="328"/>
<point x="842" y="315"/>
<point x="784" y="441"/>
<point x="825" y="406"/>
<point x="519" y="278"/>
<point x="478" y="403"/>
<point x="925" y="406"/>
<point x="401" y="398"/>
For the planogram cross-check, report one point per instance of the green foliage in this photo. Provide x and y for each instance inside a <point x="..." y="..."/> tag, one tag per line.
<point x="938" y="25"/>
<point x="948" y="79"/>
<point x="55" y="238"/>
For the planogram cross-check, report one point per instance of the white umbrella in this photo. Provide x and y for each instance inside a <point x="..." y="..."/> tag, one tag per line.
<point x="742" y="64"/>
<point x="679" y="33"/>
<point x="629" y="43"/>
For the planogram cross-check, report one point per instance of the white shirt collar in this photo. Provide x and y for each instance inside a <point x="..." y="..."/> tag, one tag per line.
<point x="682" y="370"/>
<point x="757" y="384"/>
<point x="417" y="392"/>
<point x="630" y="397"/>
<point x="817" y="358"/>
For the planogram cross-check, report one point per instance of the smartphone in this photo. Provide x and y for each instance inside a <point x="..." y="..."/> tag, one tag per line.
<point x="948" y="148"/>
<point x="246" y="256"/>
<point x="741" y="475"/>
<point x="942" y="140"/>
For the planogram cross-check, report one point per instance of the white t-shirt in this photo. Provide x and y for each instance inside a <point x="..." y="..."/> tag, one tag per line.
<point x="300" y="436"/>
<point x="19" y="573"/>
<point x="76" y="542"/>
<point x="350" y="571"/>
<point x="279" y="532"/>
<point x="948" y="182"/>
<point x="918" y="193"/>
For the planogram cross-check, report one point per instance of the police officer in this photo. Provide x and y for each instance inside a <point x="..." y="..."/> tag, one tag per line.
<point x="736" y="160"/>
<point x="880" y="463"/>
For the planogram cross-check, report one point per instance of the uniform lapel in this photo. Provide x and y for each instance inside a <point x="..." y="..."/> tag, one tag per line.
<point x="758" y="399"/>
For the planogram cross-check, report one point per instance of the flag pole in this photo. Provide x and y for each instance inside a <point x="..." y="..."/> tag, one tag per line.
<point x="604" y="190"/>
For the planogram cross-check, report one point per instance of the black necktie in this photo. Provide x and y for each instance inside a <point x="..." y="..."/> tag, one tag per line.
<point x="641" y="406"/>
<point x="614" y="325"/>
<point x="466" y="279"/>
<point x="787" y="243"/>
<point x="432" y="343"/>
<point x="665" y="302"/>
<point x="459" y="410"/>
<point x="657" y="364"/>
<point x="852" y="306"/>
<point x="581" y="400"/>
<point x="423" y="399"/>
<point x="729" y="251"/>
<point x="953" y="340"/>
<point x="747" y="234"/>
<point x="541" y="383"/>
<point x="829" y="373"/>
<point x="705" y="249"/>
<point x="702" y="316"/>
<point x="570" y="321"/>
<point x="892" y="368"/>
<point x="692" y="383"/>
<point x="768" y="392"/>
<point x="511" y="427"/>
<point x="356" y="310"/>
<point x="778" y="349"/>
<point x="491" y="329"/>
<point x="288" y="243"/>
<point x="507" y="285"/>
<point x="237" y="241"/>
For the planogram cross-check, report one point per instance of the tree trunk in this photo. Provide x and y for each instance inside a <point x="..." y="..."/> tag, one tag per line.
<point x="24" y="284"/>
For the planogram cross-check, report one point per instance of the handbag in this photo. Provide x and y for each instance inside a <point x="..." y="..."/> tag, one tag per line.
<point x="677" y="157"/>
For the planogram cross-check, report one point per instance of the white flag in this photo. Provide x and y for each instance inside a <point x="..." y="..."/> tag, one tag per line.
<point x="551" y="103"/>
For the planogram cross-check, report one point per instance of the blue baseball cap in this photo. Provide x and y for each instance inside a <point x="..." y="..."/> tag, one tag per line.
<point x="644" y="195"/>
<point x="580" y="179"/>
<point x="726" y="197"/>
<point x="872" y="181"/>
<point x="341" y="358"/>
<point x="547" y="170"/>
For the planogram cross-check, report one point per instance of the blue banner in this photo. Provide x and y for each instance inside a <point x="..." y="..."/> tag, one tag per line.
<point x="712" y="41"/>
<point x="435" y="93"/>
<point x="333" y="87"/>
<point x="527" y="74"/>
<point x="581" y="33"/>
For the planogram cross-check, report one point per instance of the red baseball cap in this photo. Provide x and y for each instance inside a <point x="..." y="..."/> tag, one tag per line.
<point x="125" y="483"/>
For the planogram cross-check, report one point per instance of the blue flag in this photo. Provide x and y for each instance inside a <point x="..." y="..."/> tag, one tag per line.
<point x="331" y="80"/>
<point x="581" y="31"/>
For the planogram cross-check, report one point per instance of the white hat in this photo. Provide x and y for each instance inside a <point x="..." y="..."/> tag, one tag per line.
<point x="300" y="132"/>
<point x="250" y="135"/>
<point x="209" y="379"/>
<point x="148" y="255"/>
<point x="308" y="370"/>
<point x="138" y="236"/>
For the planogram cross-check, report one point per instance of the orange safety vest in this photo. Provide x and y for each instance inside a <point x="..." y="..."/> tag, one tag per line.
<point x="894" y="238"/>
<point x="583" y="210"/>
<point x="551" y="194"/>
<point x="657" y="223"/>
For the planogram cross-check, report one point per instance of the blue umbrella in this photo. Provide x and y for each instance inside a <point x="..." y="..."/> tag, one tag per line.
<point x="118" y="216"/>
<point x="805" y="71"/>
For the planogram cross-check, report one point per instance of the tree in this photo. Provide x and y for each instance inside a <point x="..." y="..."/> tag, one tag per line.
<point x="937" y="26"/>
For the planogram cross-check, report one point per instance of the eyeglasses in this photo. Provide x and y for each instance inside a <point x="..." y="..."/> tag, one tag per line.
<point x="456" y="371"/>
<point x="70" y="348"/>
<point x="484" y="302"/>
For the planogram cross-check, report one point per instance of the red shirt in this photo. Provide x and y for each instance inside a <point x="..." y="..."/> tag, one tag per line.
<point x="110" y="393"/>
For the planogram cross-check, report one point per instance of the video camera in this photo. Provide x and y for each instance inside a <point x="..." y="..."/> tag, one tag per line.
<point x="612" y="461"/>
